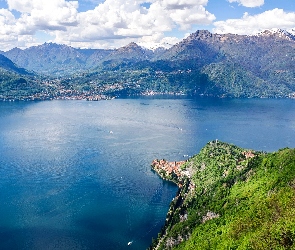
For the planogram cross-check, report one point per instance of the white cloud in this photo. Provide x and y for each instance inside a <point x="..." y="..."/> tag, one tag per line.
<point x="182" y="4"/>
<point x="111" y="19"/>
<point x="252" y="24"/>
<point x="129" y="20"/>
<point x="27" y="6"/>
<point x="38" y="15"/>
<point x="249" y="3"/>
<point x="35" y="15"/>
<point x="158" y="40"/>
<point x="186" y="17"/>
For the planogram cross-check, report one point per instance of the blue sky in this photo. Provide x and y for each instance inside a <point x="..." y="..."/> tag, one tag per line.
<point x="224" y="10"/>
<point x="150" y="23"/>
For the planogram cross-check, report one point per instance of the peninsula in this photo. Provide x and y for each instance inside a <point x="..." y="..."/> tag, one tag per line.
<point x="230" y="198"/>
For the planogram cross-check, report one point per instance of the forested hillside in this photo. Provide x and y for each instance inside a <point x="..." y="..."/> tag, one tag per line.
<point x="203" y="64"/>
<point x="233" y="198"/>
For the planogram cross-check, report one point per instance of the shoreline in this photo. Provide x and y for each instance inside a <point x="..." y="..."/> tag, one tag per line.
<point x="171" y="171"/>
<point x="101" y="97"/>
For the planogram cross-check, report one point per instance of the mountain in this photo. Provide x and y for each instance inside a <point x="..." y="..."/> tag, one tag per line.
<point x="201" y="46"/>
<point x="206" y="64"/>
<point x="278" y="33"/>
<point x="266" y="59"/>
<point x="15" y="82"/>
<point x="230" y="198"/>
<point x="220" y="65"/>
<point x="59" y="60"/>
<point x="130" y="52"/>
<point x="94" y="57"/>
<point x="124" y="57"/>
<point x="8" y="65"/>
<point x="264" y="54"/>
<point x="49" y="58"/>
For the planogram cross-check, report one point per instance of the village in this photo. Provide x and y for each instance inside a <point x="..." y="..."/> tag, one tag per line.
<point x="170" y="170"/>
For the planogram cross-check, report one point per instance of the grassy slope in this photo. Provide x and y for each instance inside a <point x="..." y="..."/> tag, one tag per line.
<point x="253" y="200"/>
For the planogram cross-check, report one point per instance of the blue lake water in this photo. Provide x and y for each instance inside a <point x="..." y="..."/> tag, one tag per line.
<point x="76" y="174"/>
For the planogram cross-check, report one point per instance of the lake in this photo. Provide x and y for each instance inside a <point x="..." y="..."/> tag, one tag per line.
<point x="76" y="174"/>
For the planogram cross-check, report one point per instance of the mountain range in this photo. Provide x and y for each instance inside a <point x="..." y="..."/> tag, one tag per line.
<point x="59" y="60"/>
<point x="223" y="65"/>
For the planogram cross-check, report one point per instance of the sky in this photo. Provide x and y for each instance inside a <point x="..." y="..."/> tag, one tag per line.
<point x="150" y="23"/>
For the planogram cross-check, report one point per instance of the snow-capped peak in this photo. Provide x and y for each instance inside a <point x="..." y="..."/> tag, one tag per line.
<point x="278" y="33"/>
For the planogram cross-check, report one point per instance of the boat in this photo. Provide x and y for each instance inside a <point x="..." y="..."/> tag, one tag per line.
<point x="129" y="243"/>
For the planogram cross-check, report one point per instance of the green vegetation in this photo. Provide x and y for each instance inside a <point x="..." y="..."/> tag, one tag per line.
<point x="203" y="64"/>
<point x="235" y="199"/>
<point x="140" y="79"/>
<point x="231" y="80"/>
<point x="14" y="86"/>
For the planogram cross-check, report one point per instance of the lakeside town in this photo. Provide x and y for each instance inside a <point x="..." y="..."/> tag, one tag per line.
<point x="60" y="90"/>
<point x="170" y="170"/>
